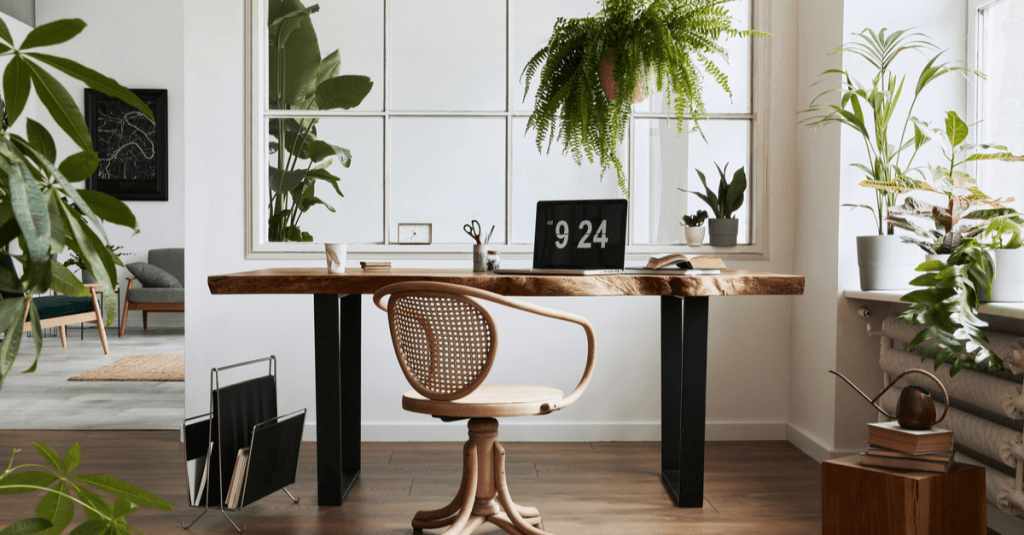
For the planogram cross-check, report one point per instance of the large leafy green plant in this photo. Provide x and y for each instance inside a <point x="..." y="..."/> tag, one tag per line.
<point x="300" y="79"/>
<point x="947" y="304"/>
<point x="669" y="42"/>
<point x="870" y="110"/>
<point x="956" y="184"/>
<point x="63" y="490"/>
<point x="40" y="207"/>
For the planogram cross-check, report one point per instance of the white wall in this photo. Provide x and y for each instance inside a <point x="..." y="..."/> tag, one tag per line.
<point x="748" y="376"/>
<point x="827" y="334"/>
<point x="139" y="44"/>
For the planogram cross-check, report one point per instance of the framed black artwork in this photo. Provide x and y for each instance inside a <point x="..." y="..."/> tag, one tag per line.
<point x="132" y="149"/>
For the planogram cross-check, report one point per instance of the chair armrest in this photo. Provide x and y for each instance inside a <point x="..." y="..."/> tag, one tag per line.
<point x="588" y="371"/>
<point x="129" y="288"/>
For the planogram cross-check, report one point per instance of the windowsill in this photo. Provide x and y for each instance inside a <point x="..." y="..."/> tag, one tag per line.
<point x="1005" y="310"/>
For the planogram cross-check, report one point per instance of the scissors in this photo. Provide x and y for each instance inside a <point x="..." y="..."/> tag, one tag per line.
<point x="473" y="229"/>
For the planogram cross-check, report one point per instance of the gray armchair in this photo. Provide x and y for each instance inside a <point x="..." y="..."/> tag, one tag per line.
<point x="163" y="281"/>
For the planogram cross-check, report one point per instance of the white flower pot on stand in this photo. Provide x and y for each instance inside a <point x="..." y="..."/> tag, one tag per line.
<point x="1008" y="286"/>
<point x="886" y="263"/>
<point x="694" y="236"/>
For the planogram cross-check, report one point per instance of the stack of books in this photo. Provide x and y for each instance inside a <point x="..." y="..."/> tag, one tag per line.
<point x="375" y="266"/>
<point x="891" y="446"/>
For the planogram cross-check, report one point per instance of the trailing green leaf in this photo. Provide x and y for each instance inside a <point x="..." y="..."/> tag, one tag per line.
<point x="948" y="304"/>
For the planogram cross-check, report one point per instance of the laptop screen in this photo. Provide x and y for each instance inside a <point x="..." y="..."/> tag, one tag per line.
<point x="580" y="235"/>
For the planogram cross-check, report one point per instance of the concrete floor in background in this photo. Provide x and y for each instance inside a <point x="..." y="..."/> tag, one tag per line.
<point x="46" y="399"/>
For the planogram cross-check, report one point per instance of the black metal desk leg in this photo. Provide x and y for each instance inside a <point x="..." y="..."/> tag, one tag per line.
<point x="684" y="371"/>
<point x="337" y="347"/>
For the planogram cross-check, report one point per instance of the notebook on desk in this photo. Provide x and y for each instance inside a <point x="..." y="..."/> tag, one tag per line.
<point x="578" y="238"/>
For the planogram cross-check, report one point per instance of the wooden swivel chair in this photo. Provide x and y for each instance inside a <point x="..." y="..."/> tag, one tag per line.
<point x="446" y="342"/>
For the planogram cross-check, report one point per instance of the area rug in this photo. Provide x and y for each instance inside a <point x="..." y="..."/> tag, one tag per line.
<point x="160" y="367"/>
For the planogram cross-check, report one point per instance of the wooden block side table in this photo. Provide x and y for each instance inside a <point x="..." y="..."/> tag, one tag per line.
<point x="858" y="500"/>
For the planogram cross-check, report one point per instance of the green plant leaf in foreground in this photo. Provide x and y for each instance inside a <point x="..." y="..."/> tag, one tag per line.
<point x="124" y="490"/>
<point x="53" y="33"/>
<point x="29" y="526"/>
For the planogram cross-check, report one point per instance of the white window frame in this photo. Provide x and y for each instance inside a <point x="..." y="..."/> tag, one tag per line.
<point x="977" y="89"/>
<point x="255" y="157"/>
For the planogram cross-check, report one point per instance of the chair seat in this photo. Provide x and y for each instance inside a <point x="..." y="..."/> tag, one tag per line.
<point x="156" y="295"/>
<point x="52" y="306"/>
<point x="488" y="401"/>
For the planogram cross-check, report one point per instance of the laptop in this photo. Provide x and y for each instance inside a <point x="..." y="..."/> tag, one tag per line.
<point x="578" y="238"/>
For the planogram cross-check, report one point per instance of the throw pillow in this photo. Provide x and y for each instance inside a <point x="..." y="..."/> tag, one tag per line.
<point x="153" y="277"/>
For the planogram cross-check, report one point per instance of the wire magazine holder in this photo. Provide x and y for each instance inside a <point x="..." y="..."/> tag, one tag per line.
<point x="241" y="451"/>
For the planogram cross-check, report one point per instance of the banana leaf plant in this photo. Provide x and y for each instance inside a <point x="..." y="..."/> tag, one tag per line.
<point x="871" y="111"/>
<point x="61" y="491"/>
<point x="40" y="207"/>
<point x="301" y="80"/>
<point x="956" y="184"/>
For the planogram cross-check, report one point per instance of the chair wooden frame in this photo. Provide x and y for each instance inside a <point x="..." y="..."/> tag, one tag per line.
<point x="96" y="316"/>
<point x="146" y="308"/>
<point x="483" y="494"/>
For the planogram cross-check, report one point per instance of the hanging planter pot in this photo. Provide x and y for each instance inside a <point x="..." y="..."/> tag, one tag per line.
<point x="606" y="74"/>
<point x="886" y="262"/>
<point x="1008" y="284"/>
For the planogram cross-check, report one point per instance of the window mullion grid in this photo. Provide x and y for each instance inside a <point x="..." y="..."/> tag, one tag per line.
<point x="508" y="114"/>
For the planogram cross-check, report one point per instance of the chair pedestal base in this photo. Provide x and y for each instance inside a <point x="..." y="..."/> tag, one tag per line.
<point x="483" y="495"/>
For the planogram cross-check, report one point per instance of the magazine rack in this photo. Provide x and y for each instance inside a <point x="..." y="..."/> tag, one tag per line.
<point x="242" y="420"/>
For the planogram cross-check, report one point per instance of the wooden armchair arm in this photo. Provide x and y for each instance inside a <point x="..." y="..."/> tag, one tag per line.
<point x="130" y="281"/>
<point x="419" y="286"/>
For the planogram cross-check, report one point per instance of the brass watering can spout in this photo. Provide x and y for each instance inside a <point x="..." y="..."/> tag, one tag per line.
<point x="915" y="409"/>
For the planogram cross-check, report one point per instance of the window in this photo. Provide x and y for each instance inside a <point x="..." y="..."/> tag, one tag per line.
<point x="441" y="136"/>
<point x="997" y="103"/>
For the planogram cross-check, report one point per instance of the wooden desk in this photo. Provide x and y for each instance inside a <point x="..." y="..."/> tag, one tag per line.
<point x="336" y="326"/>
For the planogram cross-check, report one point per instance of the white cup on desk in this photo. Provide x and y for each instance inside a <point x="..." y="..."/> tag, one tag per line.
<point x="336" y="253"/>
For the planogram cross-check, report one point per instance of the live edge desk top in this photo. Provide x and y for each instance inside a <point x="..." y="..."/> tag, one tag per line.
<point x="357" y="281"/>
<point x="337" y="316"/>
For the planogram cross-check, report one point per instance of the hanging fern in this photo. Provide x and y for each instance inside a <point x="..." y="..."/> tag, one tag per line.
<point x="664" y="44"/>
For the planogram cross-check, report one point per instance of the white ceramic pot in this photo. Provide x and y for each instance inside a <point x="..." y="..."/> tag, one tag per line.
<point x="694" y="236"/>
<point x="940" y="257"/>
<point x="336" y="253"/>
<point x="723" y="231"/>
<point x="1008" y="286"/>
<point x="886" y="263"/>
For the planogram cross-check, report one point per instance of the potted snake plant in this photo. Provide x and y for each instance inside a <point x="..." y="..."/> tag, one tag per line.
<point x="723" y="227"/>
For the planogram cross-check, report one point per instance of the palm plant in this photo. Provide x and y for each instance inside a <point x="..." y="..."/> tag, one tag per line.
<point x="885" y="163"/>
<point x="300" y="79"/>
<point x="959" y="186"/>
<point x="40" y="207"/>
<point x="669" y="42"/>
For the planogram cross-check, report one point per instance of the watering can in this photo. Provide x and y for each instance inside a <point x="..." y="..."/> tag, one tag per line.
<point x="915" y="409"/>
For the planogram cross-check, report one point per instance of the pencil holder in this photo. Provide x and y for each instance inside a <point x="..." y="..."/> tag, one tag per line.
<point x="480" y="257"/>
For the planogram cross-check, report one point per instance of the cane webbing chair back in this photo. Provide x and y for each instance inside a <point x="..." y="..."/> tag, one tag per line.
<point x="445" y="342"/>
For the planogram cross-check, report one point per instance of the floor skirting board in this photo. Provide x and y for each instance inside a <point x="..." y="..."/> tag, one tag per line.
<point x="534" y="431"/>
<point x="813" y="446"/>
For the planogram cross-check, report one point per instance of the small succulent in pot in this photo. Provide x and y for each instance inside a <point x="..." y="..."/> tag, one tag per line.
<point x="695" y="220"/>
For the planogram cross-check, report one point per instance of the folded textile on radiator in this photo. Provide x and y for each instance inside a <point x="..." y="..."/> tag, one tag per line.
<point x="987" y="392"/>
<point x="1009" y="348"/>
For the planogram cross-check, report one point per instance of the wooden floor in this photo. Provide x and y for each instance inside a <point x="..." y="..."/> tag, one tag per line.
<point x="755" y="488"/>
